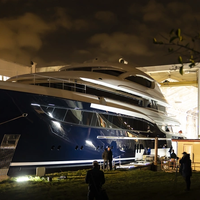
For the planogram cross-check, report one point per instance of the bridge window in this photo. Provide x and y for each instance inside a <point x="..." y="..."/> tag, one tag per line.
<point x="110" y="72"/>
<point x="140" y="80"/>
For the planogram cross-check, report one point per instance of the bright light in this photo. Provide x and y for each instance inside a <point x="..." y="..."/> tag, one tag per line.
<point x="57" y="124"/>
<point x="5" y="78"/>
<point x="88" y="142"/>
<point x="69" y="162"/>
<point x="50" y="114"/>
<point x="22" y="179"/>
<point x="28" y="178"/>
<point x="35" y="104"/>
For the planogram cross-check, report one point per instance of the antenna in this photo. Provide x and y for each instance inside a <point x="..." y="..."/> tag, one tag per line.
<point x="121" y="60"/>
<point x="33" y="67"/>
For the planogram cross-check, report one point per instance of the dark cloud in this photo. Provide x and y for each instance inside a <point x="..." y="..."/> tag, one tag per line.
<point x="62" y="19"/>
<point x="153" y="11"/>
<point x="19" y="34"/>
<point x="106" y="16"/>
<point x="176" y="7"/>
<point x="125" y="44"/>
<point x="62" y="32"/>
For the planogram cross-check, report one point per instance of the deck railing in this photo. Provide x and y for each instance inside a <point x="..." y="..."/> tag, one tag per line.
<point x="59" y="83"/>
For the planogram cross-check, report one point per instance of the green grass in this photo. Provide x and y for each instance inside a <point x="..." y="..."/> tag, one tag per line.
<point x="133" y="184"/>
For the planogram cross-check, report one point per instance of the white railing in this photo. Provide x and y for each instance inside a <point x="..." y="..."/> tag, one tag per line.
<point x="118" y="158"/>
<point x="61" y="83"/>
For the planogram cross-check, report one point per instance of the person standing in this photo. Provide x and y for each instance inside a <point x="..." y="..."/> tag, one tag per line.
<point x="95" y="179"/>
<point x="185" y="169"/>
<point x="110" y="157"/>
<point x="173" y="155"/>
<point x="173" y="158"/>
<point x="170" y="151"/>
<point x="105" y="159"/>
<point x="149" y="151"/>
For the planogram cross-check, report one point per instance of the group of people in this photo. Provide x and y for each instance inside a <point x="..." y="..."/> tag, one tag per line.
<point x="95" y="177"/>
<point x="147" y="151"/>
<point x="107" y="158"/>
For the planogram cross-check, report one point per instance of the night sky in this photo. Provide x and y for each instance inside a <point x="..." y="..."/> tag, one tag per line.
<point x="55" y="32"/>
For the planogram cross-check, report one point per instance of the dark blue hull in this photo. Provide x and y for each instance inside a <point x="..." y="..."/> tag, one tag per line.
<point x="67" y="139"/>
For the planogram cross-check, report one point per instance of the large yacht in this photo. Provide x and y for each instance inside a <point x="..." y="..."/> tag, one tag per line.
<point x="66" y="118"/>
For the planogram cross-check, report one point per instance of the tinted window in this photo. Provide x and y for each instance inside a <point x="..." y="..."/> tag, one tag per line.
<point x="118" y="122"/>
<point x="90" y="119"/>
<point x="47" y="109"/>
<point x="140" y="80"/>
<point x="109" y="120"/>
<point x="110" y="72"/>
<point x="102" y="93"/>
<point x="56" y="85"/>
<point x="59" y="113"/>
<point x="103" y="120"/>
<point x="73" y="116"/>
<point x="79" y="69"/>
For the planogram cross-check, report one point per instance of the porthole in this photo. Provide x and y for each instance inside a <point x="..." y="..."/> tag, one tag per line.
<point x="76" y="147"/>
<point x="81" y="148"/>
<point x="58" y="147"/>
<point x="53" y="147"/>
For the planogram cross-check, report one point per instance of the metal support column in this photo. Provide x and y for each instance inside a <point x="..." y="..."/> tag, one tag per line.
<point x="198" y="129"/>
<point x="156" y="151"/>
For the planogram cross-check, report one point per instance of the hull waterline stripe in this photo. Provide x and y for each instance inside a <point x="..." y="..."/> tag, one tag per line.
<point x="130" y="138"/>
<point x="15" y="164"/>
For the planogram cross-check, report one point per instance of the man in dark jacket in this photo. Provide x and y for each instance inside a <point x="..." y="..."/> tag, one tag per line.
<point x="173" y="159"/>
<point x="173" y="155"/>
<point x="95" y="179"/>
<point x="185" y="169"/>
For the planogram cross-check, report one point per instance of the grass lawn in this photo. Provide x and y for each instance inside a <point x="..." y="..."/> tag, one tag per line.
<point x="133" y="184"/>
